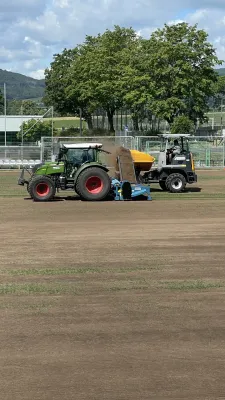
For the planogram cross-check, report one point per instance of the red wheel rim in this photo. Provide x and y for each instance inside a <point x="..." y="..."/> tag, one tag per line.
<point x="94" y="185"/>
<point x="42" y="189"/>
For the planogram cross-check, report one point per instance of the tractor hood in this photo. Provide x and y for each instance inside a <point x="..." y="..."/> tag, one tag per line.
<point x="49" y="168"/>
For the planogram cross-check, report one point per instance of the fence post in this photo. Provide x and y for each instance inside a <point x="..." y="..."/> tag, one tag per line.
<point x="137" y="144"/>
<point x="207" y="157"/>
<point x="223" y="153"/>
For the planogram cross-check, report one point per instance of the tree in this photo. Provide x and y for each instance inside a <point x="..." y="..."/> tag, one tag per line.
<point x="180" y="62"/>
<point x="136" y="84"/>
<point x="29" y="107"/>
<point x="95" y="74"/>
<point x="33" y="130"/>
<point x="182" y="124"/>
<point x="217" y="102"/>
<point x="90" y="75"/>
<point x="24" y="107"/>
<point x="58" y="79"/>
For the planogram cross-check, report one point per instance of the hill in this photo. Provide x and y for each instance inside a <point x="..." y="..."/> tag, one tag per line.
<point x="21" y="87"/>
<point x="221" y="71"/>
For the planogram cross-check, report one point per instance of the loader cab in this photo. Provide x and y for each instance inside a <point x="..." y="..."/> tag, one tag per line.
<point x="173" y="150"/>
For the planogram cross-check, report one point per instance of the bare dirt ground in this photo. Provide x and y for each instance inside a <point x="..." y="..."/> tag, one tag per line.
<point x="114" y="300"/>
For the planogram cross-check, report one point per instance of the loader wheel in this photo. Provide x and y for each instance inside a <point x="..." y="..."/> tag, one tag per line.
<point x="175" y="183"/>
<point x="162" y="184"/>
<point x="93" y="184"/>
<point x="41" y="188"/>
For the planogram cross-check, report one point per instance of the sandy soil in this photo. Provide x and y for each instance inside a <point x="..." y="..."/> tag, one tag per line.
<point x="112" y="300"/>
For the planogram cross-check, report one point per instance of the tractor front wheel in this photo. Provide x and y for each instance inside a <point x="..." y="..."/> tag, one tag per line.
<point x="93" y="184"/>
<point x="41" y="188"/>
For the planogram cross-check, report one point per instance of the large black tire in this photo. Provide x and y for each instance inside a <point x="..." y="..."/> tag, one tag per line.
<point x="41" y="188"/>
<point x="93" y="184"/>
<point x="162" y="184"/>
<point x="77" y="190"/>
<point x="28" y="186"/>
<point x="175" y="183"/>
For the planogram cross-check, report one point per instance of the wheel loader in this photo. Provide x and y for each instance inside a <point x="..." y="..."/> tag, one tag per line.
<point x="175" y="168"/>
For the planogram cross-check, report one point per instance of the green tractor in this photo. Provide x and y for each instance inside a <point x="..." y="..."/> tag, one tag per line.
<point x="77" y="166"/>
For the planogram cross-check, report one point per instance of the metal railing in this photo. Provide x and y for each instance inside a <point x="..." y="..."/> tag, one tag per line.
<point x="208" y="152"/>
<point x="17" y="156"/>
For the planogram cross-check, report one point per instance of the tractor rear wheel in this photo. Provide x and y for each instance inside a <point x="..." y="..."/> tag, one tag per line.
<point x="93" y="184"/>
<point x="175" y="183"/>
<point x="41" y="188"/>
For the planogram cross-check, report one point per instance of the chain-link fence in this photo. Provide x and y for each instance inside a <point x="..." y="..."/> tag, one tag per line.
<point x="208" y="152"/>
<point x="49" y="147"/>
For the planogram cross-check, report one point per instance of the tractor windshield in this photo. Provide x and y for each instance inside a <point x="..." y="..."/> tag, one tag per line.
<point x="80" y="156"/>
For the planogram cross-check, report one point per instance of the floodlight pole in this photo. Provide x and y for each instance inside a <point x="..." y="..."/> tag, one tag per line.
<point x="80" y="121"/>
<point x="221" y="105"/>
<point x="5" y="112"/>
<point x="52" y="133"/>
<point x="22" y="129"/>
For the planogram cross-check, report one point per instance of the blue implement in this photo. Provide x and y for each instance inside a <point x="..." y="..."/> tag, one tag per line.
<point x="127" y="191"/>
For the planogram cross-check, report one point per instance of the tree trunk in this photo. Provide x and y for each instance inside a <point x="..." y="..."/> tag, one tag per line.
<point x="135" y="122"/>
<point x="110" y="114"/>
<point x="89" y="122"/>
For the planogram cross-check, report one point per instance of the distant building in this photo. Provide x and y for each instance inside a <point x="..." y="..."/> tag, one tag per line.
<point x="13" y="124"/>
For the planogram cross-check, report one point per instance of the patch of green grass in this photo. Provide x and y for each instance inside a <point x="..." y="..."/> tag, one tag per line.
<point x="31" y="288"/>
<point x="60" y="123"/>
<point x="209" y="178"/>
<point x="9" y="188"/>
<point x="193" y="285"/>
<point x="73" y="271"/>
<point x="58" y="289"/>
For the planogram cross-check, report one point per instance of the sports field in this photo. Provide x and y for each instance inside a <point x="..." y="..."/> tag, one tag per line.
<point x="113" y="300"/>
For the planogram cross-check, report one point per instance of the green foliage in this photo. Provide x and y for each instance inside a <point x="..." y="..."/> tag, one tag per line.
<point x="181" y="63"/>
<point x="24" y="107"/>
<point x="89" y="76"/>
<point x="182" y="124"/>
<point x="217" y="102"/>
<point x="33" y="130"/>
<point x="220" y="86"/>
<point x="20" y="86"/>
<point x="168" y="75"/>
<point x="56" y="79"/>
<point x="30" y="107"/>
<point x="103" y="61"/>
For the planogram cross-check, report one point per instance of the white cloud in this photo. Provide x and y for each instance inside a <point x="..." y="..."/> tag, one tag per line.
<point x="33" y="30"/>
<point x="38" y="74"/>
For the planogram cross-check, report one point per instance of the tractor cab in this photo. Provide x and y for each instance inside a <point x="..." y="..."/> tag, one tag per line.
<point x="80" y="153"/>
<point x="76" y="155"/>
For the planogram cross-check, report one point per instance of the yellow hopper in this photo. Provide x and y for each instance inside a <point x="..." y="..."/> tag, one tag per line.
<point x="142" y="161"/>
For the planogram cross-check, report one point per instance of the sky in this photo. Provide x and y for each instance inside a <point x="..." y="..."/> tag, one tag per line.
<point x="32" y="31"/>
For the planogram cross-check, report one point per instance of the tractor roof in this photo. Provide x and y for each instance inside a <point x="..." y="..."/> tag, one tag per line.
<point x="175" y="135"/>
<point x="82" y="145"/>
